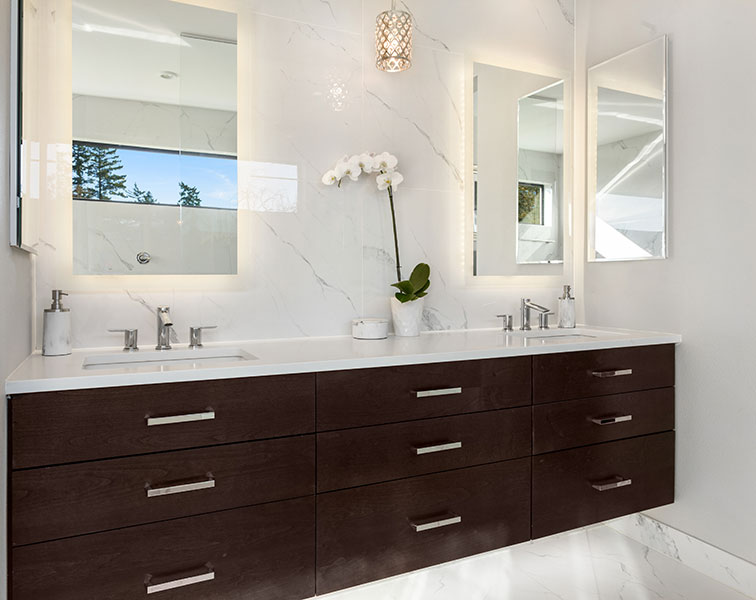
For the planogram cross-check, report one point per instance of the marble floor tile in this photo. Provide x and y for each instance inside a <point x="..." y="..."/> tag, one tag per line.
<point x="597" y="563"/>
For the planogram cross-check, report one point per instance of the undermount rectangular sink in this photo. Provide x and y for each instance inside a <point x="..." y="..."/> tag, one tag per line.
<point x="561" y="334"/>
<point x="201" y="357"/>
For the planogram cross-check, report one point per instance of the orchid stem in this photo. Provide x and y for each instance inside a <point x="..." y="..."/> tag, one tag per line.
<point x="396" y="239"/>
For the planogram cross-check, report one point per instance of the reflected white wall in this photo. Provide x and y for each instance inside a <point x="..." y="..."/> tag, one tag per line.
<point x="192" y="240"/>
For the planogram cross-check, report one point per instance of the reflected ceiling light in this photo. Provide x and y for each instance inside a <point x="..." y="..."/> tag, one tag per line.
<point x="393" y="40"/>
<point x="159" y="38"/>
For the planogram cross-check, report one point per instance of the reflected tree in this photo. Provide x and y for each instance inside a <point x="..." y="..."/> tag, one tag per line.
<point x="190" y="195"/>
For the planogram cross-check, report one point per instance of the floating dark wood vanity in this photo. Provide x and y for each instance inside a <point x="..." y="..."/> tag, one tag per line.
<point x="281" y="487"/>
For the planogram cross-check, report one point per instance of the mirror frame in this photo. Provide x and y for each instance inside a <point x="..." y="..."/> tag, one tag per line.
<point x="14" y="130"/>
<point x="592" y="151"/>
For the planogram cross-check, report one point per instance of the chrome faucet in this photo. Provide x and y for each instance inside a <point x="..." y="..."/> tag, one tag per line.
<point x="164" y="325"/>
<point x="525" y="307"/>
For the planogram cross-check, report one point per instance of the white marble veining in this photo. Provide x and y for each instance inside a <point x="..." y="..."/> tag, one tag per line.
<point x="722" y="566"/>
<point x="274" y="357"/>
<point x="313" y="258"/>
<point x="596" y="563"/>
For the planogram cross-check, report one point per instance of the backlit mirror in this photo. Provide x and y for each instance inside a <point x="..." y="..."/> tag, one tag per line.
<point x="130" y="133"/>
<point x="154" y="138"/>
<point x="627" y="159"/>
<point x="518" y="172"/>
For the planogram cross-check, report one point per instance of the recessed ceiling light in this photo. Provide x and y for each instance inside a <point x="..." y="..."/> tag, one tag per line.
<point x="168" y="75"/>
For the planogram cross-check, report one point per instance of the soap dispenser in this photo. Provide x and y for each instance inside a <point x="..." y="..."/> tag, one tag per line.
<point x="566" y="309"/>
<point x="56" y="327"/>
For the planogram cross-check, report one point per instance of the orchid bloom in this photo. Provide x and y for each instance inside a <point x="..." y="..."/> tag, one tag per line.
<point x="385" y="162"/>
<point x="330" y="178"/>
<point x="348" y="168"/>
<point x="366" y="162"/>
<point x="389" y="180"/>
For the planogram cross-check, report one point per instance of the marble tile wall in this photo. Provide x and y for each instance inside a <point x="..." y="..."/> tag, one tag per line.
<point x="326" y="257"/>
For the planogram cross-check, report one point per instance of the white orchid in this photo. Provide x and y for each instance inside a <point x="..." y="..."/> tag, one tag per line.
<point x="390" y="179"/>
<point x="348" y="167"/>
<point x="385" y="162"/>
<point x="366" y="162"/>
<point x="330" y="178"/>
<point x="387" y="180"/>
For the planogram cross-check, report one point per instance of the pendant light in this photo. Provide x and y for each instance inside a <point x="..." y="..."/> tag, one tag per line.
<point x="393" y="40"/>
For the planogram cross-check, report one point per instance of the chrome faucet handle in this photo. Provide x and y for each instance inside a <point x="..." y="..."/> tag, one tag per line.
<point x="129" y="338"/>
<point x="543" y="320"/>
<point x="195" y="335"/>
<point x="507" y="322"/>
<point x="164" y="324"/>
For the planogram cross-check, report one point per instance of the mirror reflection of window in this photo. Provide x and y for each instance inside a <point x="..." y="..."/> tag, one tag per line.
<point x="530" y="203"/>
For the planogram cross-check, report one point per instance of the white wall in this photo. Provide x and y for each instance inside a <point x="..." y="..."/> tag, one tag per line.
<point x="16" y="278"/>
<point x="706" y="289"/>
<point x="311" y="258"/>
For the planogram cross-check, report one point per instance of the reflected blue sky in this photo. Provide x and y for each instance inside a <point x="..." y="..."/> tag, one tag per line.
<point x="160" y="172"/>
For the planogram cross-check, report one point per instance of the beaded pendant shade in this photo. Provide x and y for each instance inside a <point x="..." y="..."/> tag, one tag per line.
<point x="393" y="40"/>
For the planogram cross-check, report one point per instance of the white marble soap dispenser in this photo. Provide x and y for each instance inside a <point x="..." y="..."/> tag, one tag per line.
<point x="566" y="309"/>
<point x="56" y="327"/>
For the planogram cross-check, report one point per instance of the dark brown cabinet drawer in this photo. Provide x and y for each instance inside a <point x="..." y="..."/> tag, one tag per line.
<point x="366" y="455"/>
<point x="562" y="425"/>
<point x="393" y="394"/>
<point x="376" y="531"/>
<point x="602" y="372"/>
<point x="578" y="487"/>
<point x="59" y="427"/>
<point x="57" y="502"/>
<point x="264" y="552"/>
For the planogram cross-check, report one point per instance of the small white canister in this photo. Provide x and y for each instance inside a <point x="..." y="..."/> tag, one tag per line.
<point x="56" y="327"/>
<point x="370" y="329"/>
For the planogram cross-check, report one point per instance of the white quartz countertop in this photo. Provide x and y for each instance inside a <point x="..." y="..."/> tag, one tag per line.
<point x="109" y="367"/>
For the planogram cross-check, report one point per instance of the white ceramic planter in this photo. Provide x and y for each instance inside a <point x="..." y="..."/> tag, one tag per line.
<point x="407" y="316"/>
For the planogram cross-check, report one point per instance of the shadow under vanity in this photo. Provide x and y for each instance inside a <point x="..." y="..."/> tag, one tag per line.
<point x="287" y="486"/>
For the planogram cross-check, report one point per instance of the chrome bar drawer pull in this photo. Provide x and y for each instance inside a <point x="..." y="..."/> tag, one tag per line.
<point x="440" y="392"/>
<point x="617" y="373"/>
<point x="436" y="523"/>
<point x="201" y="416"/>
<point x="177" y="583"/>
<point x="613" y="484"/>
<point x="437" y="448"/>
<point x="180" y="489"/>
<point x="612" y="420"/>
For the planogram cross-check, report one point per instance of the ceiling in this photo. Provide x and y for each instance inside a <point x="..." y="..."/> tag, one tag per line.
<point x="541" y="120"/>
<point x="622" y="116"/>
<point x="121" y="48"/>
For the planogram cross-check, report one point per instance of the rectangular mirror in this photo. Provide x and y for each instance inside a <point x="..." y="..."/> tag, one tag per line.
<point x="154" y="180"/>
<point x="130" y="131"/>
<point x="627" y="157"/>
<point x="518" y="155"/>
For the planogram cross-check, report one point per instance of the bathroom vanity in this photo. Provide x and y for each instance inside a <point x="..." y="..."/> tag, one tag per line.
<point x="322" y="464"/>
